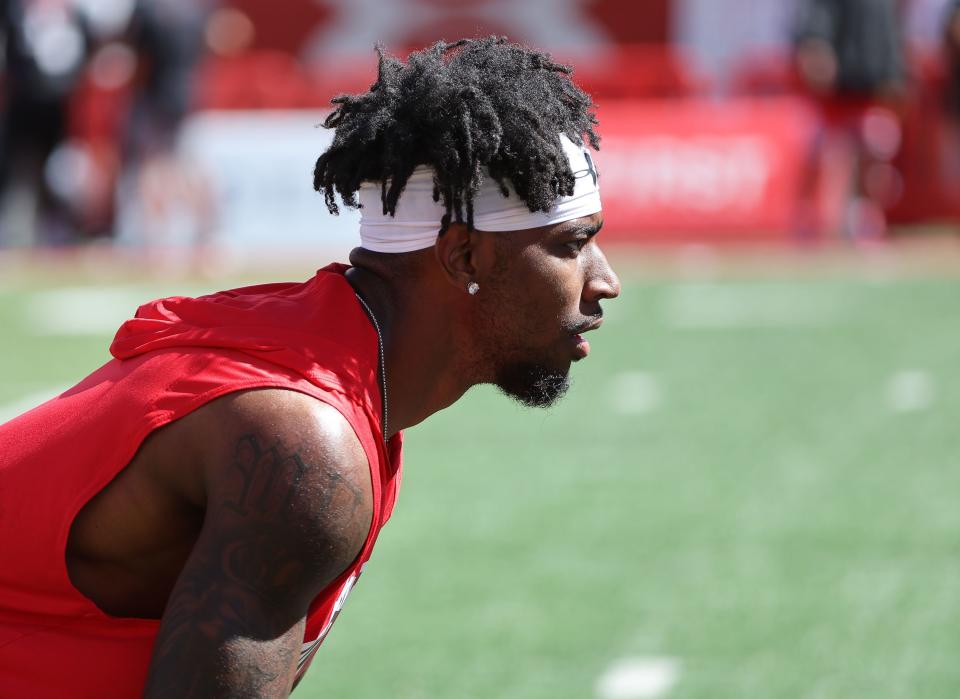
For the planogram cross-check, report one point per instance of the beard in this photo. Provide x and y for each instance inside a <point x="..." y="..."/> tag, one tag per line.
<point x="533" y="385"/>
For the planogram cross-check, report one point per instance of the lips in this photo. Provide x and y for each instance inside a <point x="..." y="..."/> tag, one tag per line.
<point x="581" y="347"/>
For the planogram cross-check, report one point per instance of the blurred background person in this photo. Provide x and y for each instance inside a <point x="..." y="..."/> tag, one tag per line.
<point x="95" y="93"/>
<point x="951" y="43"/>
<point x="162" y="201"/>
<point x="950" y="130"/>
<point x="47" y="43"/>
<point x="850" y="56"/>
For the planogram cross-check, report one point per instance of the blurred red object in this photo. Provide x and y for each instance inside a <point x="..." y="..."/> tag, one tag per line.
<point x="640" y="71"/>
<point x="277" y="80"/>
<point x="765" y="73"/>
<point x="930" y="157"/>
<point x="684" y="171"/>
<point x="257" y="80"/>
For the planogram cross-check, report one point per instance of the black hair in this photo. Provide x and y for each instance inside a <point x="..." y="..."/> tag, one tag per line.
<point x="458" y="107"/>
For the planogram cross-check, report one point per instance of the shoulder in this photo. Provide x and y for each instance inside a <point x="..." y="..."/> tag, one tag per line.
<point x="282" y="472"/>
<point x="275" y="416"/>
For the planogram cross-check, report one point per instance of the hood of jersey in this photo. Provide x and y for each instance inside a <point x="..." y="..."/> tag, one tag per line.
<point x="289" y="325"/>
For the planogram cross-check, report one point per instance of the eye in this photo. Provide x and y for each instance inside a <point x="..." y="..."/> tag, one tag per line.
<point x="575" y="246"/>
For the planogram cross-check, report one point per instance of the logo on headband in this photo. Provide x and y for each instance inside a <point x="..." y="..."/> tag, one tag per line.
<point x="591" y="170"/>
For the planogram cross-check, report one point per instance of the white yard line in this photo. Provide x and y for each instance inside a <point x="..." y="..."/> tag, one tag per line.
<point x="639" y="678"/>
<point x="10" y="410"/>
<point x="635" y="393"/>
<point x="73" y="311"/>
<point x="910" y="391"/>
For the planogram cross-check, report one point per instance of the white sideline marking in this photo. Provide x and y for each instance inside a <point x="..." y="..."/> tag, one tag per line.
<point x="81" y="310"/>
<point x="759" y="305"/>
<point x="910" y="390"/>
<point x="638" y="678"/>
<point x="10" y="410"/>
<point x="635" y="393"/>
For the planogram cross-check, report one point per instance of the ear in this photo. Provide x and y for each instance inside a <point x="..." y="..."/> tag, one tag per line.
<point x="459" y="252"/>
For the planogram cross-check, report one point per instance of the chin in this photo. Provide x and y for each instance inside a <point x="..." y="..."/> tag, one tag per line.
<point x="533" y="385"/>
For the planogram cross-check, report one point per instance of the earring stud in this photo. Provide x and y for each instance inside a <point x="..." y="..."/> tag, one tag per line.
<point x="473" y="288"/>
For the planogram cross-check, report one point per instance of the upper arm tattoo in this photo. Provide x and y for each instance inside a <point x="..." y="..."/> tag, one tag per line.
<point x="279" y="528"/>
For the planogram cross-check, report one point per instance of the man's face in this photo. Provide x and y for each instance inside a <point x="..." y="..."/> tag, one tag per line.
<point x="543" y="293"/>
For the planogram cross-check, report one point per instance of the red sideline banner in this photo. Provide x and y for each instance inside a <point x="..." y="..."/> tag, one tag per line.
<point x="702" y="171"/>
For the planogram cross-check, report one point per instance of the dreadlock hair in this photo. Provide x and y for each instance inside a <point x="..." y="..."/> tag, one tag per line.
<point x="459" y="107"/>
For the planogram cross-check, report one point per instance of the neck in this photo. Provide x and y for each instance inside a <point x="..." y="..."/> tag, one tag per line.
<point x="423" y="368"/>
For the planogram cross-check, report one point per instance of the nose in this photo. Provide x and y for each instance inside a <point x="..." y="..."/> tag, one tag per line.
<point x="602" y="282"/>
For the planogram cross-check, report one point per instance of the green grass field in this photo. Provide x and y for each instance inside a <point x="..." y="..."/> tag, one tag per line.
<point x="756" y="475"/>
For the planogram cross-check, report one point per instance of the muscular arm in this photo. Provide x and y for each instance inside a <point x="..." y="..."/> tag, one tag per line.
<point x="288" y="509"/>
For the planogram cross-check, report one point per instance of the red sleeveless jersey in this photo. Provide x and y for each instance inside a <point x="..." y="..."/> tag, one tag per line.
<point x="176" y="355"/>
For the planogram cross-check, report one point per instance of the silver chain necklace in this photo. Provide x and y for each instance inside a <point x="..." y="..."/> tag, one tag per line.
<point x="383" y="364"/>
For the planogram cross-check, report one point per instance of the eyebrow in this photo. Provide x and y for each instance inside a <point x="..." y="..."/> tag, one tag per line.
<point x="589" y="230"/>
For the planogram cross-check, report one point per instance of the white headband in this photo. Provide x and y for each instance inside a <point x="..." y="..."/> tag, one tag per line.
<point x="416" y="222"/>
